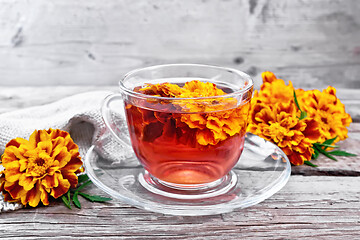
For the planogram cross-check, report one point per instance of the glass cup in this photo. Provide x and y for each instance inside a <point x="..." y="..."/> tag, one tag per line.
<point x="190" y="141"/>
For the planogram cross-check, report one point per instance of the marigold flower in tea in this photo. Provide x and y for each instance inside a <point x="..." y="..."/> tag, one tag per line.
<point x="212" y="123"/>
<point x="45" y="165"/>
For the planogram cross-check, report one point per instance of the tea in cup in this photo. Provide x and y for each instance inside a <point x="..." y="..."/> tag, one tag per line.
<point x="186" y="122"/>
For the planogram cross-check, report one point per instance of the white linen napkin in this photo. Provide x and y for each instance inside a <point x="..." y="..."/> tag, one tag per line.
<point x="80" y="115"/>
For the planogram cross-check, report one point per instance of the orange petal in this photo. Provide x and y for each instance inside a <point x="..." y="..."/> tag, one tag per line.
<point x="61" y="155"/>
<point x="72" y="147"/>
<point x="45" y="145"/>
<point x="26" y="182"/>
<point x="55" y="133"/>
<point x="214" y="123"/>
<point x="58" y="142"/>
<point x="12" y="153"/>
<point x="231" y="126"/>
<point x="296" y="159"/>
<point x="50" y="181"/>
<point x="2" y="181"/>
<point x="71" y="177"/>
<point x="330" y="90"/>
<point x="6" y="194"/>
<point x="219" y="136"/>
<point x="8" y="198"/>
<point x="63" y="187"/>
<point x="15" y="190"/>
<point x="44" y="136"/>
<point x="54" y="168"/>
<point x="34" y="139"/>
<point x="12" y="174"/>
<point x="205" y="137"/>
<point x="74" y="164"/>
<point x="262" y="113"/>
<point x="312" y="130"/>
<point x="17" y="142"/>
<point x="44" y="196"/>
<point x="23" y="164"/>
<point x="194" y="120"/>
<point x="268" y="76"/>
<point x="33" y="196"/>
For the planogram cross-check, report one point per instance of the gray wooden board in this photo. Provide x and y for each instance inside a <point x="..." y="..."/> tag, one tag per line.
<point x="308" y="207"/>
<point x="313" y="43"/>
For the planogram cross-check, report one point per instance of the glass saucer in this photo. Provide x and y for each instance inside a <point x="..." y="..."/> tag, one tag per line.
<point x="262" y="170"/>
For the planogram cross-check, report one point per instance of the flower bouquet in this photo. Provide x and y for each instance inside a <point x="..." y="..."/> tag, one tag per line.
<point x="302" y="123"/>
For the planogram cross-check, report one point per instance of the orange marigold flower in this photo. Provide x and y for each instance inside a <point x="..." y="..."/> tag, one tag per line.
<point x="280" y="124"/>
<point x="217" y="126"/>
<point x="44" y="165"/>
<point x="274" y="90"/>
<point x="214" y="119"/>
<point x="161" y="90"/>
<point x="327" y="110"/>
<point x="275" y="117"/>
<point x="197" y="88"/>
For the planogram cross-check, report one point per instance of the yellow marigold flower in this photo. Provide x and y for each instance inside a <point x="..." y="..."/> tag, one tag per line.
<point x="327" y="110"/>
<point x="44" y="165"/>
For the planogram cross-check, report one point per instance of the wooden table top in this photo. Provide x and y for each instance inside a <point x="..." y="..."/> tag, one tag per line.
<point x="316" y="203"/>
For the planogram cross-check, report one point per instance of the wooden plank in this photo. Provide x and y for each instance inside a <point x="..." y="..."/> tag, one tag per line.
<point x="308" y="207"/>
<point x="84" y="42"/>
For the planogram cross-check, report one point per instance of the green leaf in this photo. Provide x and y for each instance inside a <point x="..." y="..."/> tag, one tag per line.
<point x="82" y="178"/>
<point x="66" y="201"/>
<point x="326" y="145"/>
<point x="342" y="153"/>
<point x="68" y="196"/>
<point x="310" y="164"/>
<point x="302" y="115"/>
<point x="76" y="200"/>
<point x="316" y="153"/>
<point x="325" y="153"/>
<point x="94" y="198"/>
<point x="296" y="101"/>
<point x="83" y="185"/>
<point x="330" y="141"/>
<point x="85" y="181"/>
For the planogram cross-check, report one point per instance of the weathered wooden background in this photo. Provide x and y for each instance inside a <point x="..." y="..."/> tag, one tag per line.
<point x="90" y="42"/>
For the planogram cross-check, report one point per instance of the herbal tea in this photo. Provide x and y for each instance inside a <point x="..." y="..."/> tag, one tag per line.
<point x="187" y="141"/>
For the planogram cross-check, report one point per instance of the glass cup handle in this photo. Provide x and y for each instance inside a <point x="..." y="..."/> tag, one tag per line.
<point x="106" y="114"/>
